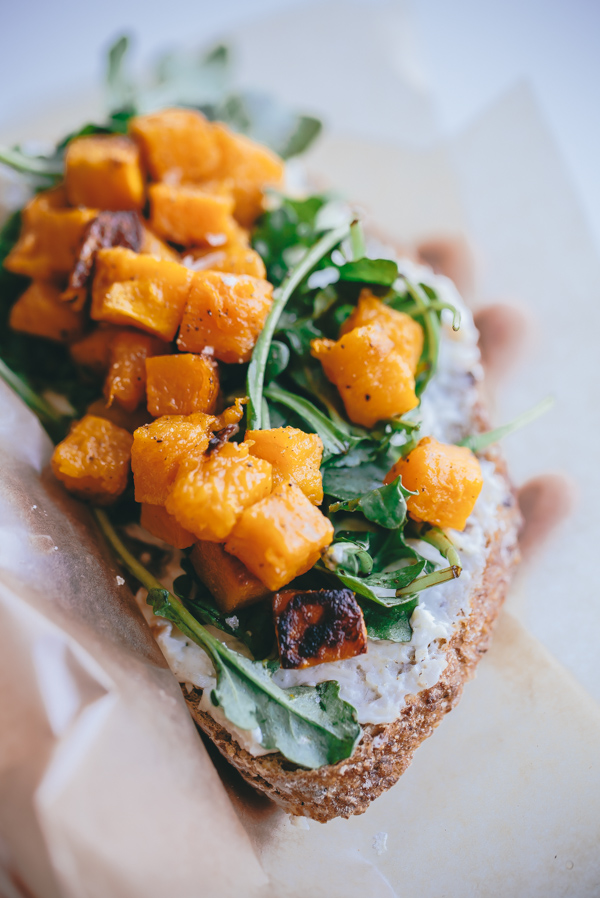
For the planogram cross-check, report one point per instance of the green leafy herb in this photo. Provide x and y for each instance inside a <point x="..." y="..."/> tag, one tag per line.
<point x="390" y="623"/>
<point x="385" y="506"/>
<point x="335" y="439"/>
<point x="370" y="271"/>
<point x="480" y="441"/>
<point x="256" y="369"/>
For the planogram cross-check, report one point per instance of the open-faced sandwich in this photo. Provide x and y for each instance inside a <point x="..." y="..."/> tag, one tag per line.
<point x="301" y="412"/>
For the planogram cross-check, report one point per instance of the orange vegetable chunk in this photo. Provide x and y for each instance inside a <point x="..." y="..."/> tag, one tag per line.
<point x="93" y="460"/>
<point x="181" y="384"/>
<point x="447" y="479"/>
<point x="225" y="312"/>
<point x="374" y="381"/>
<point x="189" y="215"/>
<point x="252" y="168"/>
<point x="233" y="258"/>
<point x="209" y="495"/>
<point x="140" y="290"/>
<point x="160" y="447"/>
<point x="295" y="454"/>
<point x="51" y="234"/>
<point x="126" y="379"/>
<point x="280" y="537"/>
<point x="176" y="144"/>
<point x="93" y="350"/>
<point x="157" y="521"/>
<point x="404" y="331"/>
<point x="103" y="171"/>
<point x="231" y="584"/>
<point x="39" y="311"/>
<point x="154" y="246"/>
<point x="129" y="421"/>
<point x="318" y="626"/>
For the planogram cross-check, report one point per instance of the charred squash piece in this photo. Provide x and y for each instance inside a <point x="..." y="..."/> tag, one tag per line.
<point x="139" y="290"/>
<point x="157" y="521"/>
<point x="93" y="460"/>
<point x="405" y="333"/>
<point x="318" y="626"/>
<point x="159" y="448"/>
<point x="176" y="145"/>
<point x="51" y="235"/>
<point x="181" y="384"/>
<point x="251" y="167"/>
<point x="373" y="379"/>
<point x="190" y="215"/>
<point x="209" y="495"/>
<point x="280" y="537"/>
<point x="231" y="584"/>
<point x="103" y="171"/>
<point x="447" y="480"/>
<point x="295" y="454"/>
<point x="40" y="312"/>
<point x="225" y="312"/>
<point x="126" y="379"/>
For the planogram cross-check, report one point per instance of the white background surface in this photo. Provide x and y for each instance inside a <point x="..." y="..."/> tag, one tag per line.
<point x="473" y="51"/>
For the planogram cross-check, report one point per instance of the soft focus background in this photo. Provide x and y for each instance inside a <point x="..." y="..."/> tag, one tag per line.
<point x="468" y="51"/>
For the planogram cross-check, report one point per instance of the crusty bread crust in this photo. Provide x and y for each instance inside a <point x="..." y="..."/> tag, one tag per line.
<point x="385" y="750"/>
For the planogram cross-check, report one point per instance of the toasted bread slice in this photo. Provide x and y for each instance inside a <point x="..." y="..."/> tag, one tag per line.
<point x="385" y="750"/>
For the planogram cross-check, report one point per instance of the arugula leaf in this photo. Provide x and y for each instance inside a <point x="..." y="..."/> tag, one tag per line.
<point x="119" y="86"/>
<point x="370" y="271"/>
<point x="389" y="623"/>
<point x="277" y="360"/>
<point x="341" y="484"/>
<point x="480" y="441"/>
<point x="310" y="725"/>
<point x="256" y="368"/>
<point x="335" y="440"/>
<point x="385" y="506"/>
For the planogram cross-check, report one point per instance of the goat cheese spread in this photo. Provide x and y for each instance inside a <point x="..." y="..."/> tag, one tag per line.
<point x="378" y="682"/>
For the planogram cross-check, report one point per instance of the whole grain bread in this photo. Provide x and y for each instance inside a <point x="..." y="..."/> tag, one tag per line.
<point x="385" y="750"/>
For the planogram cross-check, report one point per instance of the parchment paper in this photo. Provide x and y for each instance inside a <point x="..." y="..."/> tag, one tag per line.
<point x="105" y="789"/>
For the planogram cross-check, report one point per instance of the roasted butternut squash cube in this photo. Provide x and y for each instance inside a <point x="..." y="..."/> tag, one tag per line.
<point x="447" y="480"/>
<point x="154" y="246"/>
<point x="225" y="312"/>
<point x="93" y="460"/>
<point x="181" y="384"/>
<point x="189" y="215"/>
<point x="103" y="171"/>
<point x="160" y="447"/>
<point x="39" y="311"/>
<point x="405" y="333"/>
<point x="318" y="626"/>
<point x="280" y="537"/>
<point x="231" y="584"/>
<point x="93" y="350"/>
<point x="126" y="379"/>
<point x="176" y="145"/>
<point x="295" y="454"/>
<point x="374" y="381"/>
<point x="157" y="521"/>
<point x="129" y="421"/>
<point x="252" y="168"/>
<point x="232" y="259"/>
<point x="135" y="289"/>
<point x="51" y="234"/>
<point x="209" y="495"/>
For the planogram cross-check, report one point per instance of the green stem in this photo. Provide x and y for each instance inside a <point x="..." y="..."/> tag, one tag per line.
<point x="256" y="369"/>
<point x="437" y="305"/>
<point x="480" y="441"/>
<point x="421" y="583"/>
<point x="31" y="165"/>
<point x="431" y="327"/>
<point x="45" y="412"/>
<point x="438" y="539"/>
<point x="357" y="241"/>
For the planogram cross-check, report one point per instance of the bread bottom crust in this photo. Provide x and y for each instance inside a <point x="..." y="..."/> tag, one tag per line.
<point x="385" y="750"/>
